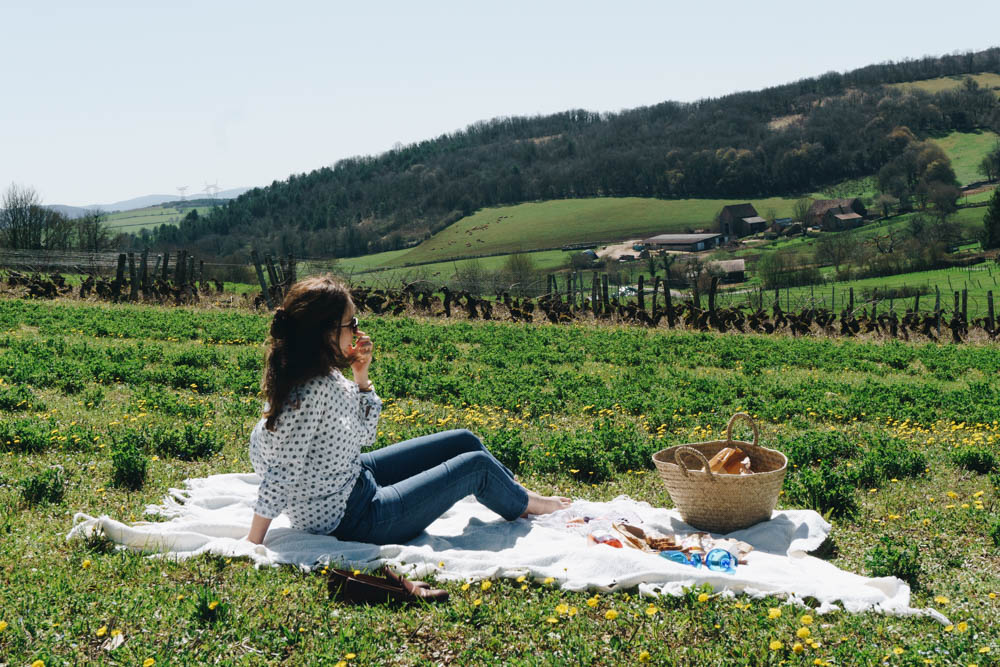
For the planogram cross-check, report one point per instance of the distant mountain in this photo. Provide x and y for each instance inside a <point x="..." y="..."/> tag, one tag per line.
<point x="70" y="211"/>
<point x="156" y="200"/>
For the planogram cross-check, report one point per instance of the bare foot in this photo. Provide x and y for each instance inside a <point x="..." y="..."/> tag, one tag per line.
<point x="539" y="504"/>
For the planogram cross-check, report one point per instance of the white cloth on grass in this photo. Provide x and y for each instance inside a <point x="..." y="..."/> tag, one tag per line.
<point x="212" y="516"/>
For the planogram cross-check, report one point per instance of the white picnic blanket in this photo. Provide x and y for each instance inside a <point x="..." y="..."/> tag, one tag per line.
<point x="470" y="542"/>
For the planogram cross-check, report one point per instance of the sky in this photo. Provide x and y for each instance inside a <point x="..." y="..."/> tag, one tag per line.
<point x="105" y="101"/>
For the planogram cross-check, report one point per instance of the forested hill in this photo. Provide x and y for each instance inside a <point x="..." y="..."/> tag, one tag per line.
<point x="783" y="140"/>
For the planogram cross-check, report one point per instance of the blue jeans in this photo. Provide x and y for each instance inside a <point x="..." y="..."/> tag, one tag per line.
<point x="403" y="488"/>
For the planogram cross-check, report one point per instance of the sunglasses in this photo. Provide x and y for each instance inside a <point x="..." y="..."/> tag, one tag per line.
<point x="353" y="325"/>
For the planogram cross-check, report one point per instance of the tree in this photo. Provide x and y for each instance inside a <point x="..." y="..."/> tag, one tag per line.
<point x="835" y="248"/>
<point x="22" y="218"/>
<point x="989" y="167"/>
<point x="945" y="199"/>
<point x="92" y="232"/>
<point x="800" y="211"/>
<point x="991" y="222"/>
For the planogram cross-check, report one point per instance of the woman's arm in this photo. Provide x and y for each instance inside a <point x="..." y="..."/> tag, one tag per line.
<point x="258" y="529"/>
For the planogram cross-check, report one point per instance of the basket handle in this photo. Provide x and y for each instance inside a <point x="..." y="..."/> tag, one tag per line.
<point x="747" y="418"/>
<point x="691" y="450"/>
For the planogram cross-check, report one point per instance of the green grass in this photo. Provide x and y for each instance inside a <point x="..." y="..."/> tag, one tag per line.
<point x="151" y="216"/>
<point x="966" y="150"/>
<point x="62" y="601"/>
<point x="985" y="80"/>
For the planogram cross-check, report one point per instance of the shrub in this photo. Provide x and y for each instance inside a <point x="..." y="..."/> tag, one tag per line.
<point x="812" y="446"/>
<point x="976" y="459"/>
<point x="93" y="397"/>
<point x="188" y="443"/>
<point x="507" y="445"/>
<point x="887" y="458"/>
<point x="892" y="558"/>
<point x="128" y="462"/>
<point x="24" y="435"/>
<point x="45" y="487"/>
<point x="18" y="398"/>
<point x="826" y="489"/>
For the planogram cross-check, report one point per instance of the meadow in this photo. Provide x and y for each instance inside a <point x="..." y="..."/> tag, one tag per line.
<point x="897" y="443"/>
<point x="149" y="217"/>
<point x="984" y="79"/>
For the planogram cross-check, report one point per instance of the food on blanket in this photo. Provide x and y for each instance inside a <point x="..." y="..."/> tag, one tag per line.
<point x="633" y="536"/>
<point x="604" y="537"/>
<point x="577" y="521"/>
<point x="659" y="541"/>
<point x="730" y="461"/>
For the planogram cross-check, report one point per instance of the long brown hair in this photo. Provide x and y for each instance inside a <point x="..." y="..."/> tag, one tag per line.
<point x="304" y="339"/>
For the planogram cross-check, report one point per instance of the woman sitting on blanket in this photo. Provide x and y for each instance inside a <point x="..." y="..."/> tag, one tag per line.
<point x="307" y="446"/>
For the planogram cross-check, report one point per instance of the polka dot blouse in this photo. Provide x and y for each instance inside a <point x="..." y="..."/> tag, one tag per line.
<point x="309" y="463"/>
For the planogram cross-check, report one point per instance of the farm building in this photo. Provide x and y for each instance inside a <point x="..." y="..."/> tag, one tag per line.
<point x="833" y="221"/>
<point x="819" y="209"/>
<point x="734" y="270"/>
<point x="683" y="242"/>
<point x="738" y="220"/>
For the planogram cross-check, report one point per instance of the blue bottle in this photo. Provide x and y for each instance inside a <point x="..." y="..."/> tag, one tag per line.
<point x="720" y="560"/>
<point x="682" y="558"/>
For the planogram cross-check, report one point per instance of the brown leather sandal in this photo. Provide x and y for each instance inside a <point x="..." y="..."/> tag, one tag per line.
<point x="367" y="589"/>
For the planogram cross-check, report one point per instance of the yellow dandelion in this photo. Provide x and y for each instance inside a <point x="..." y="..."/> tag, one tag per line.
<point x="802" y="633"/>
<point x="3" y="625"/>
<point x="644" y="656"/>
<point x="548" y="580"/>
<point x="148" y="662"/>
<point x="486" y="585"/>
<point x="520" y="579"/>
<point x="85" y="564"/>
<point x="949" y="628"/>
<point x="798" y="648"/>
<point x="350" y="656"/>
<point x="115" y="632"/>
<point x="940" y="599"/>
<point x="101" y="631"/>
<point x="651" y="610"/>
<point x="465" y="586"/>
<point x="611" y="614"/>
<point x="213" y="604"/>
<point x="38" y="663"/>
<point x="703" y="597"/>
<point x="552" y="619"/>
<point x="562" y="608"/>
<point x="524" y="587"/>
<point x="477" y="602"/>
<point x="962" y="626"/>
<point x="286" y="591"/>
<point x="898" y="651"/>
<point x="592" y="602"/>
<point x="806" y="620"/>
<point x="774" y="612"/>
<point x="775" y="645"/>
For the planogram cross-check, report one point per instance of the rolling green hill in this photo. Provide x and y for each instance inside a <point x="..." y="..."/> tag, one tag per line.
<point x="966" y="150"/>
<point x="943" y="83"/>
<point x="150" y="217"/>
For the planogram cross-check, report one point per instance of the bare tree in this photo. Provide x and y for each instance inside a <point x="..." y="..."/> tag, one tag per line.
<point x="22" y="218"/>
<point x="92" y="232"/>
<point x="835" y="248"/>
<point x="800" y="211"/>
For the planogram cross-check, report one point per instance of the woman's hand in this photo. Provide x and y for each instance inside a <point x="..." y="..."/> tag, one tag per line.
<point x="361" y="352"/>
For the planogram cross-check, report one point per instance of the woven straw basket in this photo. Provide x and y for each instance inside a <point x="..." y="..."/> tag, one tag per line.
<point x="722" y="503"/>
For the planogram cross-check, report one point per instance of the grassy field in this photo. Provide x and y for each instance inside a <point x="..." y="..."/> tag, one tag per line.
<point x="966" y="150"/>
<point x="151" y="216"/>
<point x="985" y="80"/>
<point x="545" y="260"/>
<point x="550" y="224"/>
<point x="902" y="431"/>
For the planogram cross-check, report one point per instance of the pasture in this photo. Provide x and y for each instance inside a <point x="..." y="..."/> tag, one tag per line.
<point x="151" y="216"/>
<point x="891" y="440"/>
<point x="942" y="83"/>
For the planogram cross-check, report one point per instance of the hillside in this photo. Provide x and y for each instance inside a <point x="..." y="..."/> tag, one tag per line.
<point x="729" y="147"/>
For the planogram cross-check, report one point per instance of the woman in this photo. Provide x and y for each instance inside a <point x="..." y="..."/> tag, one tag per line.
<point x="307" y="446"/>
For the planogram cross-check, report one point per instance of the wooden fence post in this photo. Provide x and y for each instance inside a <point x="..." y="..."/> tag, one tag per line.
<point x="190" y="270"/>
<point x="989" y="311"/>
<point x="292" y="279"/>
<point x="605" y="304"/>
<point x="595" y="288"/>
<point x="144" y="271"/>
<point x="667" y="299"/>
<point x="656" y="290"/>
<point x="642" y="296"/>
<point x="850" y="308"/>
<point x="255" y="258"/>
<point x="116" y="287"/>
<point x="965" y="305"/>
<point x="181" y="265"/>
<point x="711" y="296"/>
<point x="133" y="287"/>
<point x="272" y="275"/>
<point x="937" y="308"/>
<point x="166" y="261"/>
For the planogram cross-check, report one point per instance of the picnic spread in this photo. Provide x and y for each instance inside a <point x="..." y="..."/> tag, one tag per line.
<point x="470" y="542"/>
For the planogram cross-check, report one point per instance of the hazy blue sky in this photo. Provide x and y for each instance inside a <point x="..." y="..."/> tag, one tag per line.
<point x="120" y="99"/>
